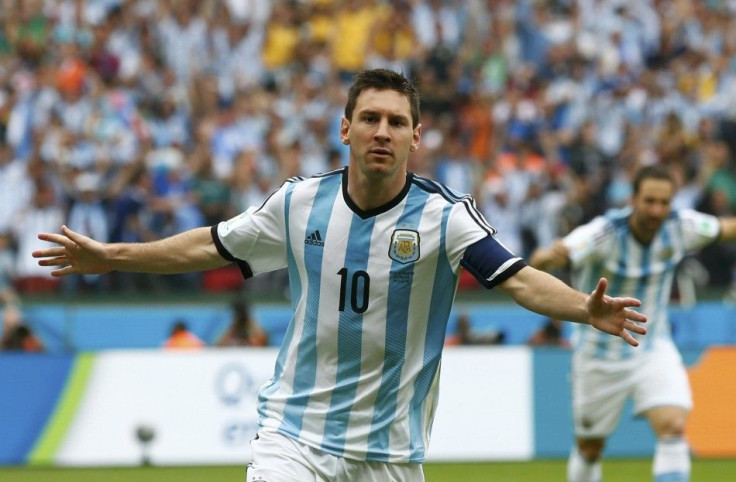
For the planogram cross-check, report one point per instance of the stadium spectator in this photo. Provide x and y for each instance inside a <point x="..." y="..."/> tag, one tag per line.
<point x="211" y="195"/>
<point x="352" y="26"/>
<point x="43" y="213"/>
<point x="244" y="330"/>
<point x="550" y="334"/>
<point x="281" y="40"/>
<point x="86" y="215"/>
<point x="640" y="247"/>
<point x="16" y="189"/>
<point x="18" y="336"/>
<point x="475" y="126"/>
<point x="319" y="20"/>
<point x="180" y="338"/>
<point x="249" y="187"/>
<point x="237" y="44"/>
<point x="503" y="210"/>
<point x="392" y="40"/>
<point x="184" y="46"/>
<point x="590" y="173"/>
<point x="364" y="245"/>
<point x="467" y="334"/>
<point x="7" y="268"/>
<point x="596" y="89"/>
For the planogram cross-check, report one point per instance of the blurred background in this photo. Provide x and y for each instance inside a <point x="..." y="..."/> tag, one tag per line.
<point x="130" y="121"/>
<point x="134" y="120"/>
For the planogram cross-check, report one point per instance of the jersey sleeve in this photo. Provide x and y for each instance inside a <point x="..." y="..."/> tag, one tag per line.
<point x="586" y="243"/>
<point x="698" y="229"/>
<point x="255" y="239"/>
<point x="472" y="244"/>
<point x="490" y="262"/>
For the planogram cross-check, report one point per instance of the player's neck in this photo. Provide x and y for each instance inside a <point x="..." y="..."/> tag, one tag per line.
<point x="642" y="236"/>
<point x="370" y="192"/>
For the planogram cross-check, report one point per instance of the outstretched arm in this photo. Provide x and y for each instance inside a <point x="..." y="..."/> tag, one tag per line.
<point x="544" y="294"/>
<point x="192" y="250"/>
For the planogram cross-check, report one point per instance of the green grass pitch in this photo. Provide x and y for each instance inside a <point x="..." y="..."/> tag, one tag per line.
<point x="532" y="471"/>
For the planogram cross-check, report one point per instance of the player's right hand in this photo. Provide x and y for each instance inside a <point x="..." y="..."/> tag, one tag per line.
<point x="74" y="253"/>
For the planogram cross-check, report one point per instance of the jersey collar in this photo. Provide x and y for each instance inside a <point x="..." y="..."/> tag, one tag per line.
<point x="377" y="210"/>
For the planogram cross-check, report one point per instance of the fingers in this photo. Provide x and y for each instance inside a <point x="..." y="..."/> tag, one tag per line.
<point x="74" y="236"/>
<point x="600" y="290"/>
<point x="59" y="239"/>
<point x="67" y="270"/>
<point x="57" y="256"/>
<point x="49" y="253"/>
<point x="636" y="316"/>
<point x="626" y="302"/>
<point x="57" y="261"/>
<point x="68" y="243"/>
<point x="633" y="327"/>
<point x="617" y="306"/>
<point x="628" y="338"/>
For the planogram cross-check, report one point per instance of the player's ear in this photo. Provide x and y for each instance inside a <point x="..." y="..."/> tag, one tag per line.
<point x="416" y="138"/>
<point x="344" y="130"/>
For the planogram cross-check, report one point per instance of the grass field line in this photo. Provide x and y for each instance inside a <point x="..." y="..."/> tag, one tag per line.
<point x="712" y="470"/>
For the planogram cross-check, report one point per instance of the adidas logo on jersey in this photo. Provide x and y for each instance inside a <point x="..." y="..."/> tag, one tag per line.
<point x="315" y="239"/>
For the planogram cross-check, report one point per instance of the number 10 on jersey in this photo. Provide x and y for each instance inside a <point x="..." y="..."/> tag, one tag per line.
<point x="360" y="283"/>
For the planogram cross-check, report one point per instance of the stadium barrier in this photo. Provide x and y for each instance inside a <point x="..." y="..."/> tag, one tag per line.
<point x="89" y="327"/>
<point x="496" y="403"/>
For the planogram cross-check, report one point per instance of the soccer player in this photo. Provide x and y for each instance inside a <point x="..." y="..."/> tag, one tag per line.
<point x="637" y="248"/>
<point x="373" y="254"/>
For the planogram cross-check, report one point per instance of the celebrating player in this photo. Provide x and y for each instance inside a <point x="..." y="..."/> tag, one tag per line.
<point x="373" y="254"/>
<point x="637" y="248"/>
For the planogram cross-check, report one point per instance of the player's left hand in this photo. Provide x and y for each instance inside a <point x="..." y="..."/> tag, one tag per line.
<point x="614" y="316"/>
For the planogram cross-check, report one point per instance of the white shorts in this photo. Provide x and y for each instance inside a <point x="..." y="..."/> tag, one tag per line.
<point x="278" y="458"/>
<point x="600" y="388"/>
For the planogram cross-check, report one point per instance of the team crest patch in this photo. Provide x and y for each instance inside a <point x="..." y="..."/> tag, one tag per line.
<point x="404" y="246"/>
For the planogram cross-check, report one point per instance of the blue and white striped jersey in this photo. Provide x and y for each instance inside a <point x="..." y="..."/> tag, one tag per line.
<point x="606" y="247"/>
<point x="357" y="373"/>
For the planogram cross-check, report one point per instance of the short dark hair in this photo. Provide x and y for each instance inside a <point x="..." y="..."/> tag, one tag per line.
<point x="383" y="79"/>
<point x="655" y="171"/>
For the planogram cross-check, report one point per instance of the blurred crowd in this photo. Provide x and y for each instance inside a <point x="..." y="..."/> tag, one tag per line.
<point x="130" y="120"/>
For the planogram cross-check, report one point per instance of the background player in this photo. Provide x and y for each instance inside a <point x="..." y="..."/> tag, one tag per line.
<point x="637" y="248"/>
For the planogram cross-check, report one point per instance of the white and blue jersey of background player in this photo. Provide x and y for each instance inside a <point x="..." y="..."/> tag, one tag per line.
<point x="606" y="247"/>
<point x="382" y="283"/>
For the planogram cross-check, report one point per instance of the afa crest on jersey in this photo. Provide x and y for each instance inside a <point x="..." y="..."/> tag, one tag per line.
<point x="666" y="253"/>
<point x="404" y="246"/>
